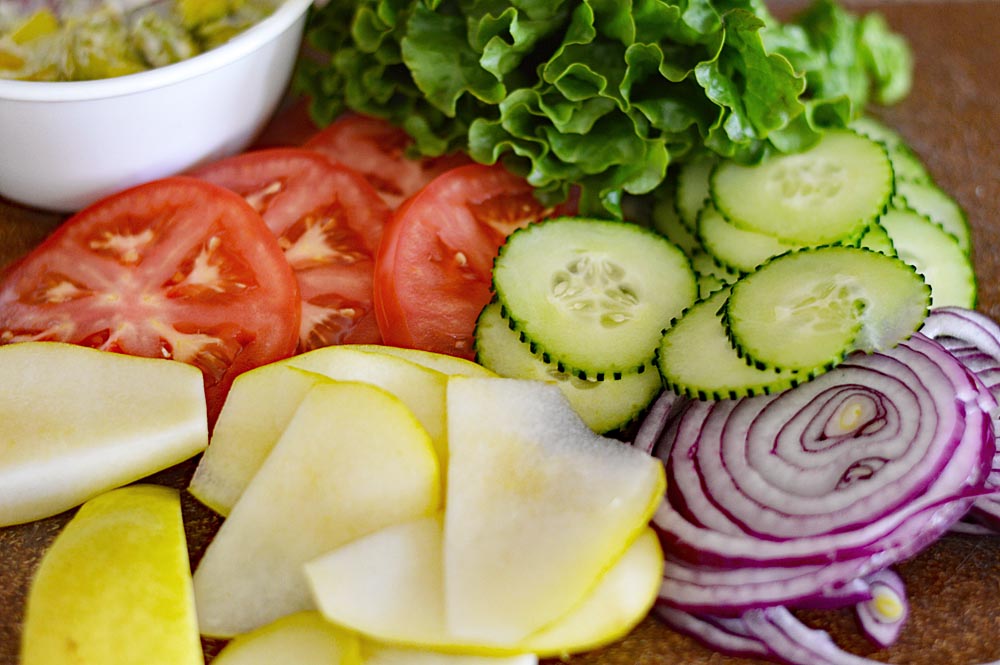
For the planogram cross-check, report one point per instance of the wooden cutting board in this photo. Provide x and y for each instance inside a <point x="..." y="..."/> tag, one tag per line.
<point x="952" y="120"/>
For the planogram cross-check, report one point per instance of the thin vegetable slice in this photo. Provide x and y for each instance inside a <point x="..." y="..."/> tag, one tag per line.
<point x="603" y="405"/>
<point x="806" y="310"/>
<point x="825" y="194"/>
<point x="736" y="248"/>
<point x="592" y="296"/>
<point x="906" y="165"/>
<point x="793" y="499"/>
<point x="930" y="200"/>
<point x="696" y="359"/>
<point x="114" y="587"/>
<point x="773" y="633"/>
<point x="974" y="339"/>
<point x="693" y="192"/>
<point x="665" y="219"/>
<point x="936" y="254"/>
<point x="883" y="616"/>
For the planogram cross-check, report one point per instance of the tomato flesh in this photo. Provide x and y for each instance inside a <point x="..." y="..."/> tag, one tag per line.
<point x="329" y="222"/>
<point x="433" y="270"/>
<point x="176" y="268"/>
<point x="377" y="150"/>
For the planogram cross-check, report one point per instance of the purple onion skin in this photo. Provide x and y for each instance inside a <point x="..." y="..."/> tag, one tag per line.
<point x="894" y="447"/>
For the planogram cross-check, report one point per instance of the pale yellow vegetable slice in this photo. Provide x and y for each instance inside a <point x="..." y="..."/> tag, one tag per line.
<point x="114" y="588"/>
<point x="539" y="506"/>
<point x="352" y="460"/>
<point x="449" y="365"/>
<point x="262" y="401"/>
<point x="259" y="406"/>
<point x="421" y="389"/>
<point x="389" y="586"/>
<point x="622" y="598"/>
<point x="381" y="654"/>
<point x="75" y="422"/>
<point x="303" y="638"/>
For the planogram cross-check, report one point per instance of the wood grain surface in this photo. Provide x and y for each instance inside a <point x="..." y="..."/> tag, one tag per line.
<point x="952" y="120"/>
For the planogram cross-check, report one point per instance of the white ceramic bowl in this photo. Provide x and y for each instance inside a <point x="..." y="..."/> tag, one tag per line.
<point x="64" y="145"/>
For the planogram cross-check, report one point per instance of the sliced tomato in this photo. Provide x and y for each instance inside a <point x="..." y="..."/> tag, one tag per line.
<point x="177" y="268"/>
<point x="377" y="150"/>
<point x="329" y="222"/>
<point x="434" y="268"/>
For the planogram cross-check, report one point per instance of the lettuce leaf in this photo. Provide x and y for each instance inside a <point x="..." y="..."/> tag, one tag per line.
<point x="603" y="94"/>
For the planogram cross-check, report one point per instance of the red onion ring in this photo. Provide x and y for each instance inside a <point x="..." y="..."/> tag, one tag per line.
<point x="773" y="633"/>
<point x="789" y="499"/>
<point x="883" y="616"/>
<point x="974" y="339"/>
<point x="657" y="418"/>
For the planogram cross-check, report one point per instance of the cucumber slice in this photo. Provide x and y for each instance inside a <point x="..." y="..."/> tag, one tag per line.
<point x="735" y="248"/>
<point x="932" y="202"/>
<point x="696" y="359"/>
<point x="668" y="223"/>
<point x="693" y="188"/>
<point x="907" y="166"/>
<point x="828" y="193"/>
<point x="711" y="276"/>
<point x="806" y="310"/>
<point x="935" y="254"/>
<point x="604" y="405"/>
<point x="905" y="163"/>
<point x="592" y="296"/>
<point x="877" y="239"/>
<point x="877" y="130"/>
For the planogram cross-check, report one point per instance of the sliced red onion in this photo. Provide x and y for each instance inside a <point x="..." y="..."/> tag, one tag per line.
<point x="773" y="633"/>
<point x="791" y="641"/>
<point x="883" y="616"/>
<point x="964" y="325"/>
<point x="974" y="339"/>
<point x="790" y="499"/>
<point x="659" y="416"/>
<point x="725" y="634"/>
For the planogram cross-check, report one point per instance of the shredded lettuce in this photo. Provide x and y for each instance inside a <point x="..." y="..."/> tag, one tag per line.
<point x="603" y="94"/>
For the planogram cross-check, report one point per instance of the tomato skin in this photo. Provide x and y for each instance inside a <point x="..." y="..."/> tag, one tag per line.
<point x="377" y="150"/>
<point x="329" y="222"/>
<point x="433" y="271"/>
<point x="175" y="268"/>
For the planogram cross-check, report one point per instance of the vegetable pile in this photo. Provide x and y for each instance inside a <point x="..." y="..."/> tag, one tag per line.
<point x="677" y="216"/>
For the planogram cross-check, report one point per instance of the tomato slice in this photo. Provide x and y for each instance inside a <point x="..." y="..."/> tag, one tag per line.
<point x="377" y="150"/>
<point x="176" y="268"/>
<point x="329" y="222"/>
<point x="434" y="268"/>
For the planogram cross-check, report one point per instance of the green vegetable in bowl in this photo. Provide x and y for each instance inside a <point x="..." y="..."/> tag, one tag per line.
<point x="601" y="93"/>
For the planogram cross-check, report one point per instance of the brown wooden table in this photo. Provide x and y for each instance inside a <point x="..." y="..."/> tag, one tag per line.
<point x="952" y="120"/>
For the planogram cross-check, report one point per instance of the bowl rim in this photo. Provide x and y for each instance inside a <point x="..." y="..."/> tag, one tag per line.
<point x="251" y="39"/>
